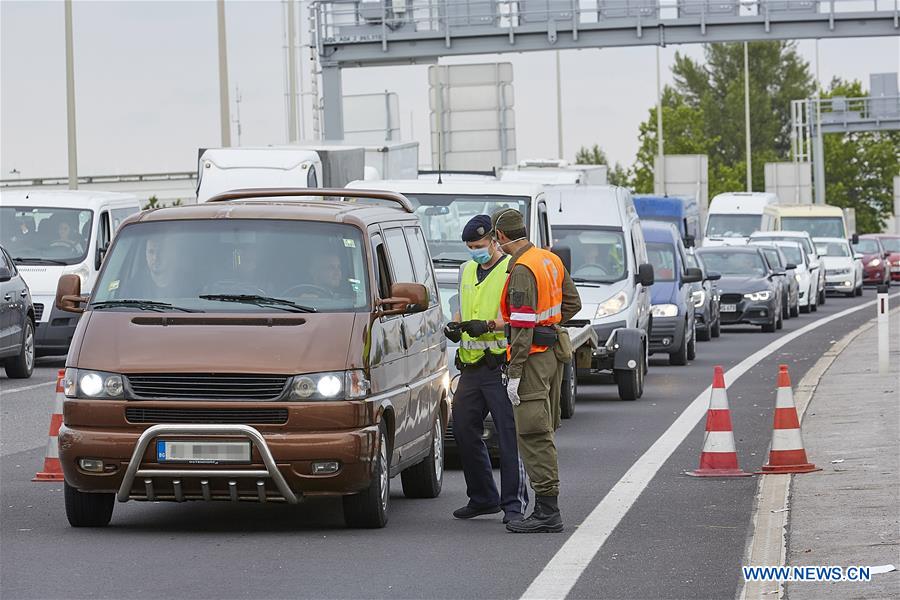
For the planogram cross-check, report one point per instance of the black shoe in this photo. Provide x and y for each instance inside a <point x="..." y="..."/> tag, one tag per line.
<point x="468" y="511"/>
<point x="544" y="519"/>
<point x="512" y="516"/>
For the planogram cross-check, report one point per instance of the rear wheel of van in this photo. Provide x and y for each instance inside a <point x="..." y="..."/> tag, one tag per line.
<point x="88" y="510"/>
<point x="369" y="508"/>
<point x="568" y="392"/>
<point x="424" y="480"/>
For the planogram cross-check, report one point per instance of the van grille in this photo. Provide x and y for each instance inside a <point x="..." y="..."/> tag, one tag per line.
<point x="275" y="416"/>
<point x="208" y="386"/>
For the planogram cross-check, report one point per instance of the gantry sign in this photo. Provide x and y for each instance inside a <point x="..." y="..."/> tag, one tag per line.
<point x="355" y="33"/>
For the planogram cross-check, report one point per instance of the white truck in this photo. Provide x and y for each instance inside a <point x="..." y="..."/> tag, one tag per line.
<point x="555" y="172"/>
<point x="733" y="216"/>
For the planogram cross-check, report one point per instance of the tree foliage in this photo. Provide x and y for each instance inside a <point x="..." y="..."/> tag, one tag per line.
<point x="595" y="155"/>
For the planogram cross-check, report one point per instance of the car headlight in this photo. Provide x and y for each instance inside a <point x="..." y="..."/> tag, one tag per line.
<point x="698" y="297"/>
<point x="664" y="310"/>
<point x="874" y="262"/>
<point x="82" y="383"/>
<point x="337" y="385"/>
<point x="797" y="277"/>
<point x="758" y="296"/>
<point x="611" y="306"/>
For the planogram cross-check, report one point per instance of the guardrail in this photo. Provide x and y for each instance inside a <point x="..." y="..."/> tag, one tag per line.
<point x="88" y="179"/>
<point x="838" y="109"/>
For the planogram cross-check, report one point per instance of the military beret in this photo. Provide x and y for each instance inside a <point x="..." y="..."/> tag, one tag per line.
<point x="478" y="227"/>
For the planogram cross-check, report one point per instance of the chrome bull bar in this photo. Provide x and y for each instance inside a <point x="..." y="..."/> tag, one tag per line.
<point x="271" y="471"/>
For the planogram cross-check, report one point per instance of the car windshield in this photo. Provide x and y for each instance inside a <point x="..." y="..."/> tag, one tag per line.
<point x="662" y="257"/>
<point x="832" y="249"/>
<point x="891" y="244"/>
<point x="803" y="241"/>
<point x="449" y="301"/>
<point x="735" y="263"/>
<point x="792" y="252"/>
<point x="773" y="258"/>
<point x="235" y="265"/>
<point x="45" y="235"/>
<point x="720" y="225"/>
<point x="815" y="226"/>
<point x="691" y="261"/>
<point x="867" y="247"/>
<point x="443" y="217"/>
<point x="598" y="255"/>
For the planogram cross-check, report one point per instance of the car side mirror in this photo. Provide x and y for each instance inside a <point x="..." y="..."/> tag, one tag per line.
<point x="790" y="266"/>
<point x="406" y="298"/>
<point x="645" y="275"/>
<point x="689" y="241"/>
<point x="887" y="254"/>
<point x="68" y="294"/>
<point x="565" y="256"/>
<point x="692" y="275"/>
<point x="778" y="274"/>
<point x="857" y="256"/>
<point x="854" y="239"/>
<point x="713" y="276"/>
<point x="5" y="274"/>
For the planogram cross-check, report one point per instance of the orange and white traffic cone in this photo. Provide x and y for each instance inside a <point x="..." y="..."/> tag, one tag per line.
<point x="787" y="454"/>
<point x="719" y="456"/>
<point x="52" y="470"/>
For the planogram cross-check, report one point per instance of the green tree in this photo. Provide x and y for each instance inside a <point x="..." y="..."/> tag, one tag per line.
<point x="152" y="202"/>
<point x="595" y="155"/>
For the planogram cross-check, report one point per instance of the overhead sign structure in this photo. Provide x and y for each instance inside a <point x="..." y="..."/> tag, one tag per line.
<point x="371" y="118"/>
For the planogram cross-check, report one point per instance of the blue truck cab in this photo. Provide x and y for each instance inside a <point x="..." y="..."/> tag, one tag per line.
<point x="682" y="212"/>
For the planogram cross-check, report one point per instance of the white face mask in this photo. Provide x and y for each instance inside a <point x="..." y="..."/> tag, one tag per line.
<point x="508" y="243"/>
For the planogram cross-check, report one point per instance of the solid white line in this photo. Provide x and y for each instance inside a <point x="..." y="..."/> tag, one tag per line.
<point x="561" y="574"/>
<point x="25" y="388"/>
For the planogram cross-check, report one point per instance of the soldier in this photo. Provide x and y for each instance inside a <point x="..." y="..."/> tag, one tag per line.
<point x="538" y="298"/>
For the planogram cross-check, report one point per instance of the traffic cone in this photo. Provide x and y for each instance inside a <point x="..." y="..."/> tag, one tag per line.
<point x="787" y="454"/>
<point x="718" y="457"/>
<point x="52" y="470"/>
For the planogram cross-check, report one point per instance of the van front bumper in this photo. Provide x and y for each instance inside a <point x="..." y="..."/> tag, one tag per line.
<point x="54" y="333"/>
<point x="666" y="334"/>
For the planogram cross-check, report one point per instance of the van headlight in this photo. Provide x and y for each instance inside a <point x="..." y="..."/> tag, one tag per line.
<point x="664" y="310"/>
<point x="82" y="383"/>
<point x="611" y="306"/>
<point x="82" y="271"/>
<point x="759" y="296"/>
<point x="698" y="297"/>
<point x="336" y="385"/>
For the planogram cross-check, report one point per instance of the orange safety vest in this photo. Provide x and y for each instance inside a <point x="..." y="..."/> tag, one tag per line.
<point x="548" y="272"/>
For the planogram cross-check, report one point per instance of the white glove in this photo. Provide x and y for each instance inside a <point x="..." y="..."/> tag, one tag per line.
<point x="512" y="390"/>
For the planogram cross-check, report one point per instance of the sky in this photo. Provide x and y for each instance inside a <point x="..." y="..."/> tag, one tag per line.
<point x="146" y="79"/>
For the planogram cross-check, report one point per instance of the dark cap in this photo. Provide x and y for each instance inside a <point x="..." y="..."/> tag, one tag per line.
<point x="508" y="220"/>
<point x="477" y="228"/>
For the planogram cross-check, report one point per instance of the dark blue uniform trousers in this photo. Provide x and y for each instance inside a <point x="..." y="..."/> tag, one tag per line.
<point x="480" y="390"/>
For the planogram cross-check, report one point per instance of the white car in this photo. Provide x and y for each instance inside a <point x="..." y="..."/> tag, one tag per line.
<point x="816" y="269"/>
<point x="843" y="268"/>
<point x="793" y="250"/>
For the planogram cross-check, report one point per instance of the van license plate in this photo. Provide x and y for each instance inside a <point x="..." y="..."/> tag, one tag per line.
<point x="205" y="452"/>
<point x="728" y="308"/>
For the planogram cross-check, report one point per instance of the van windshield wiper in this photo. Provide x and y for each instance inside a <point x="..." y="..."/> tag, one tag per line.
<point x="448" y="261"/>
<point x="279" y="303"/>
<point x="38" y="260"/>
<point x="597" y="282"/>
<point x="142" y="305"/>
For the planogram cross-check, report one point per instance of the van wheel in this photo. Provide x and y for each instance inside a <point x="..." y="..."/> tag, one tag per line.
<point x="568" y="392"/>
<point x="88" y="510"/>
<point x="424" y="480"/>
<point x="680" y="356"/>
<point x="21" y="366"/>
<point x="369" y="508"/>
<point x="692" y="347"/>
<point x="630" y="382"/>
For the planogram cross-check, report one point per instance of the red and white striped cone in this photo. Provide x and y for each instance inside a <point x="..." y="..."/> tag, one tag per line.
<point x="719" y="456"/>
<point x="52" y="469"/>
<point x="787" y="454"/>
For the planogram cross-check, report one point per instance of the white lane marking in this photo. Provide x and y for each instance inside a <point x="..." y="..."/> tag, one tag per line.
<point x="561" y="574"/>
<point x="25" y="388"/>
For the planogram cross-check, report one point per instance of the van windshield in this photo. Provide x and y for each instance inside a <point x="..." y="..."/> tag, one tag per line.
<point x="46" y="235"/>
<point x="598" y="255"/>
<point x="721" y="225"/>
<point x="815" y="226"/>
<point x="235" y="265"/>
<point x="443" y="217"/>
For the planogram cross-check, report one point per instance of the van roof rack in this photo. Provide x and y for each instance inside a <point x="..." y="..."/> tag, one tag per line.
<point x="345" y="195"/>
<point x="491" y="173"/>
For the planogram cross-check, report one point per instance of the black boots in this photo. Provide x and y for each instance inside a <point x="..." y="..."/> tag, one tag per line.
<point x="544" y="519"/>
<point x="468" y="511"/>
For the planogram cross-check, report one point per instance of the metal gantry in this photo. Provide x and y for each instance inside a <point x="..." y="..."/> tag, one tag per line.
<point x="353" y="33"/>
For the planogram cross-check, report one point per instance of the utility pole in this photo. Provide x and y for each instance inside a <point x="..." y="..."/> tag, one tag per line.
<point x="224" y="108"/>
<point x="819" y="150"/>
<point x="292" y="73"/>
<point x="237" y="110"/>
<point x="660" y="157"/>
<point x="70" y="100"/>
<point x="559" y="118"/>
<point x="747" y="117"/>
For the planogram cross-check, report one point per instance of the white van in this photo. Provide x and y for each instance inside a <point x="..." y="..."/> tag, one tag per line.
<point x="733" y="216"/>
<point x="555" y="172"/>
<point x="818" y="220"/>
<point x="53" y="233"/>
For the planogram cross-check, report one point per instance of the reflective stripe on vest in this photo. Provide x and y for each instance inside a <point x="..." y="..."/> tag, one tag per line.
<point x="549" y="273"/>
<point x="481" y="301"/>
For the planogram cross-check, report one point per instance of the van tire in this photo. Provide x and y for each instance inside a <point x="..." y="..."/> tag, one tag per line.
<point x="568" y="392"/>
<point x="88" y="510"/>
<point x="21" y="366"/>
<point x="680" y="357"/>
<point x="424" y="480"/>
<point x="630" y="383"/>
<point x="692" y="347"/>
<point x="369" y="509"/>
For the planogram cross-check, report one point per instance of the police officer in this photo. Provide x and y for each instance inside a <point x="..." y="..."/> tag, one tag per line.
<point x="539" y="296"/>
<point x="481" y="354"/>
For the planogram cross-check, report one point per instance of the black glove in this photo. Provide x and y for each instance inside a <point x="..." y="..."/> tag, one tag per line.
<point x="475" y="328"/>
<point x="453" y="331"/>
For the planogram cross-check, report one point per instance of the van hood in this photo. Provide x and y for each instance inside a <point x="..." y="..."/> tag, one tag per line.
<point x="663" y="292"/>
<point x="595" y="294"/>
<point x="42" y="279"/>
<point x="259" y="343"/>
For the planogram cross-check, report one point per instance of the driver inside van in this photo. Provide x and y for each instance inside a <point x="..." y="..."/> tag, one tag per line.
<point x="67" y="236"/>
<point x="161" y="258"/>
<point x="326" y="278"/>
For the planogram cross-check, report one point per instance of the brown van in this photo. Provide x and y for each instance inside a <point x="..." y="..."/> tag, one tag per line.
<point x="264" y="346"/>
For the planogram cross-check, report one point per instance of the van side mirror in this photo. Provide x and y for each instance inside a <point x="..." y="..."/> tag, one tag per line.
<point x="645" y="275"/>
<point x="854" y="239"/>
<point x="692" y="275"/>
<point x="565" y="255"/>
<point x="790" y="266"/>
<point x="713" y="276"/>
<point x="406" y="298"/>
<point x="68" y="294"/>
<point x="689" y="241"/>
<point x="5" y="274"/>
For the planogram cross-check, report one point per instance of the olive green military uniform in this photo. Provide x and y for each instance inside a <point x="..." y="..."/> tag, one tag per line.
<point x="538" y="414"/>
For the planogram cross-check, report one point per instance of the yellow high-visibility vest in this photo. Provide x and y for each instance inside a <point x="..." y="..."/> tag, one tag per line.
<point x="481" y="301"/>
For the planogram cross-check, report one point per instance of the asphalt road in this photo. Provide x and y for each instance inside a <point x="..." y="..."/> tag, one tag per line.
<point x="684" y="537"/>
